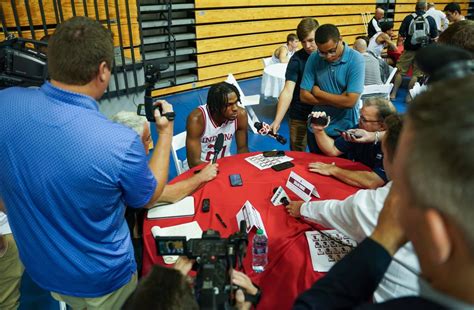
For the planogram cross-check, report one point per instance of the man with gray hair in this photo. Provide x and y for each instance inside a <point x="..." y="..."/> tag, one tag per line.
<point x="430" y="204"/>
<point x="372" y="116"/>
<point x="171" y="192"/>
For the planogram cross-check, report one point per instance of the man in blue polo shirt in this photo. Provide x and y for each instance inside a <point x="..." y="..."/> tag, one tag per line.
<point x="68" y="172"/>
<point x="333" y="81"/>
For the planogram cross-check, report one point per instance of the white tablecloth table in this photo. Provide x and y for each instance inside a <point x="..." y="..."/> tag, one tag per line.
<point x="273" y="80"/>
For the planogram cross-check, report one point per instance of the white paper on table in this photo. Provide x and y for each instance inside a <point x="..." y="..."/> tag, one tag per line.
<point x="189" y="230"/>
<point x="184" y="207"/>
<point x="262" y="162"/>
<point x="324" y="251"/>
<point x="301" y="187"/>
<point x="251" y="216"/>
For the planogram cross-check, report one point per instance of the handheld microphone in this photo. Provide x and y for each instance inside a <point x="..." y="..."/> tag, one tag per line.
<point x="284" y="201"/>
<point x="276" y="136"/>
<point x="218" y="146"/>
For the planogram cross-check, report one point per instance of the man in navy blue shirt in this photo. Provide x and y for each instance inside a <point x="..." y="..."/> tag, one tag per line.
<point x="68" y="172"/>
<point x="290" y="95"/>
<point x="372" y="116"/>
<point x="407" y="59"/>
<point x="332" y="82"/>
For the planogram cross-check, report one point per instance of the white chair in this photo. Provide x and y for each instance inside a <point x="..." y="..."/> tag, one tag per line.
<point x="366" y="17"/>
<point x="178" y="142"/>
<point x="247" y="102"/>
<point x="390" y="77"/>
<point x="267" y="61"/>
<point x="383" y="89"/>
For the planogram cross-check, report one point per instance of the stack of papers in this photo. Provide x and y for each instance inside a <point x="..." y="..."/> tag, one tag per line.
<point x="184" y="207"/>
<point x="189" y="230"/>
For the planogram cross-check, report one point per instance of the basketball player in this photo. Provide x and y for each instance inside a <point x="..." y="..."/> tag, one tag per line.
<point x="221" y="114"/>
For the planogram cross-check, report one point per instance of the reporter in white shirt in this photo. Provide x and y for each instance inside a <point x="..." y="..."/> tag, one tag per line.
<point x="356" y="217"/>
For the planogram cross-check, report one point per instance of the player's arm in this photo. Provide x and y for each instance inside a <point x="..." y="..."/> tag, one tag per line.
<point x="179" y="190"/>
<point x="385" y="38"/>
<point x="241" y="132"/>
<point x="283" y="104"/>
<point x="283" y="55"/>
<point x="194" y="129"/>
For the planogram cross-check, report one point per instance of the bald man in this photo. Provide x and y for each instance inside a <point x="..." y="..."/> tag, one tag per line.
<point x="372" y="66"/>
<point x="373" y="26"/>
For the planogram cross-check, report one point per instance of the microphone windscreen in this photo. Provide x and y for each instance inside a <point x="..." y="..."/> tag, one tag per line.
<point x="258" y="125"/>
<point x="219" y="143"/>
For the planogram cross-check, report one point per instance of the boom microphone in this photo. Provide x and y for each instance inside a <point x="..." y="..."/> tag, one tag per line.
<point x="218" y="146"/>
<point x="276" y="136"/>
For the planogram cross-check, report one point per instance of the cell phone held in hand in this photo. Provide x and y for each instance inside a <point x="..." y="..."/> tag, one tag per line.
<point x="283" y="166"/>
<point x="321" y="121"/>
<point x="273" y="153"/>
<point x="353" y="135"/>
<point x="235" y="180"/>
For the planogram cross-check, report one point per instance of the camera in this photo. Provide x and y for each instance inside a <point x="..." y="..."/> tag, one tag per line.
<point x="215" y="257"/>
<point x="321" y="121"/>
<point x="20" y="65"/>
<point x="152" y="75"/>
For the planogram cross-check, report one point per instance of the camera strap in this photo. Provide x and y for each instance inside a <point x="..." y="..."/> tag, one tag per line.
<point x="254" y="299"/>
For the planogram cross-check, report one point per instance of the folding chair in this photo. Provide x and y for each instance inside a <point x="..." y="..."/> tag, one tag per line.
<point x="178" y="142"/>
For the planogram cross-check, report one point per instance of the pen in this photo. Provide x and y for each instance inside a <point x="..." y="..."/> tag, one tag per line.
<point x="221" y="220"/>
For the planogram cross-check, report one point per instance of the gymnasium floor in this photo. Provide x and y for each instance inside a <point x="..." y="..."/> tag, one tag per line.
<point x="33" y="297"/>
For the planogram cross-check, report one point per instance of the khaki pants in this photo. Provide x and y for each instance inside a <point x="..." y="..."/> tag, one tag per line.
<point x="297" y="135"/>
<point x="113" y="300"/>
<point x="11" y="270"/>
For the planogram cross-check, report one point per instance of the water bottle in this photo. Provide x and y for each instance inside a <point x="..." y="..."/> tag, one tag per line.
<point x="259" y="251"/>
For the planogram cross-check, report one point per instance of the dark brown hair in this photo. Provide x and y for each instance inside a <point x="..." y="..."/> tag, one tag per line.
<point x="460" y="34"/>
<point x="77" y="48"/>
<point x="305" y="27"/>
<point x="393" y="124"/>
<point x="162" y="289"/>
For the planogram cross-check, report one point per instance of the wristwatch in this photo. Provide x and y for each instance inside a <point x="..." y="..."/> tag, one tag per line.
<point x="169" y="115"/>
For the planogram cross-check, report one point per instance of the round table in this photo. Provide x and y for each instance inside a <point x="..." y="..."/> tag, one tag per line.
<point x="289" y="271"/>
<point x="273" y="80"/>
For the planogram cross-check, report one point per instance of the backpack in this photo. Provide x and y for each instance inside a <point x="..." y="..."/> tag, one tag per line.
<point x="419" y="29"/>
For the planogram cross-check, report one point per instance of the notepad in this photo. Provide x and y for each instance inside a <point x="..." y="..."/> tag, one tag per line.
<point x="188" y="230"/>
<point x="184" y="207"/>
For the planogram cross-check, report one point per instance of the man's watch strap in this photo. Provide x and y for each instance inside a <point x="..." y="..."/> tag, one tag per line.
<point x="254" y="299"/>
<point x="169" y="115"/>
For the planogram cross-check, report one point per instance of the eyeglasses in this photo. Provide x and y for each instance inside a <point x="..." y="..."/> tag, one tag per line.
<point x="364" y="120"/>
<point x="329" y="53"/>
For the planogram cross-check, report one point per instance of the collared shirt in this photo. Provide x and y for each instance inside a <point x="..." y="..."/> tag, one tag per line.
<point x="346" y="75"/>
<point x="294" y="72"/>
<point x="356" y="217"/>
<point x="67" y="174"/>
<point x="372" y="70"/>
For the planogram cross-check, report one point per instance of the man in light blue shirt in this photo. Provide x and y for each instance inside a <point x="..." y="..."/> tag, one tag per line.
<point x="333" y="80"/>
<point x="68" y="172"/>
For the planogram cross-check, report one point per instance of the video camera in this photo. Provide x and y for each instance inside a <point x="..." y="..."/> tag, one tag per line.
<point x="215" y="257"/>
<point x="20" y="65"/>
<point x="153" y="71"/>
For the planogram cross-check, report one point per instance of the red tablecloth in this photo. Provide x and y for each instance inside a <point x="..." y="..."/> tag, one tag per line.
<point x="289" y="270"/>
